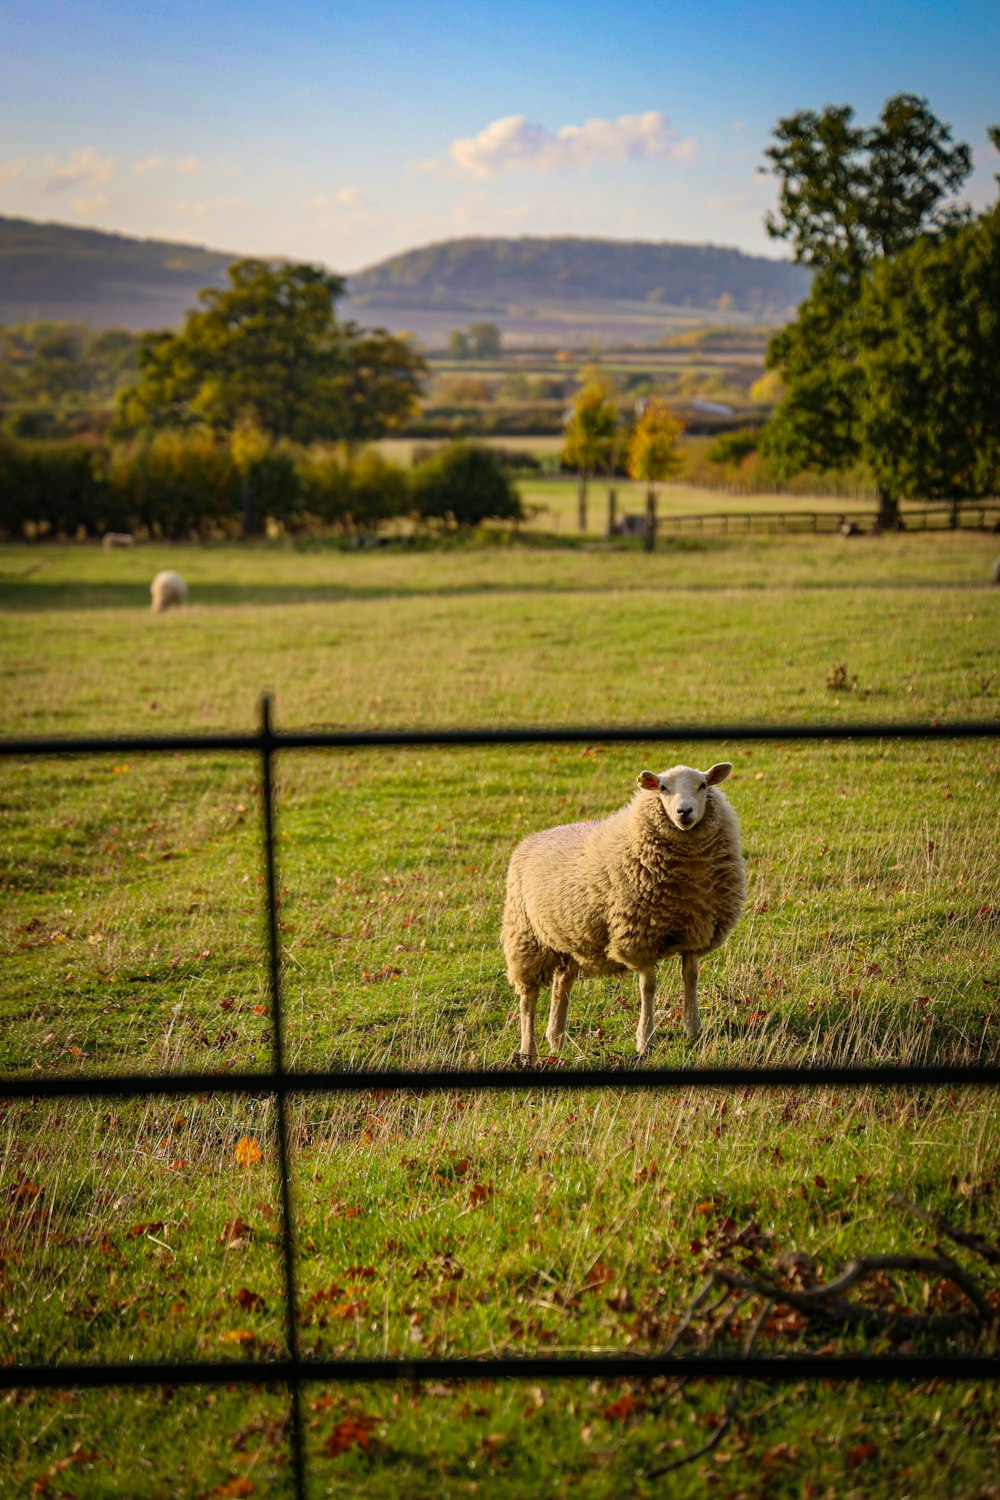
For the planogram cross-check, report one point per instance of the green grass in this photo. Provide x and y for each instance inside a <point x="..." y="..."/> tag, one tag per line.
<point x="131" y="937"/>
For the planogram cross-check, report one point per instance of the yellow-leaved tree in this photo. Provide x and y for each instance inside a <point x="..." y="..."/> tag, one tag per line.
<point x="654" y="455"/>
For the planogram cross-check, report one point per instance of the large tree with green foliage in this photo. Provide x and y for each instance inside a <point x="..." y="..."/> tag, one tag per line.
<point x="269" y="348"/>
<point x="850" y="198"/>
<point x="929" y="321"/>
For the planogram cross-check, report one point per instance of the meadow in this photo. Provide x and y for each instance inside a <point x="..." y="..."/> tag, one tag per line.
<point x="131" y="937"/>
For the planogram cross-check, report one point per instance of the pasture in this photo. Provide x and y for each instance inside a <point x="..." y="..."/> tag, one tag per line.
<point x="131" y="937"/>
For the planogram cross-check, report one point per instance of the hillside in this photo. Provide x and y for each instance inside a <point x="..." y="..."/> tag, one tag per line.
<point x="575" y="288"/>
<point x="537" y="290"/>
<point x="56" y="272"/>
<point x="494" y="272"/>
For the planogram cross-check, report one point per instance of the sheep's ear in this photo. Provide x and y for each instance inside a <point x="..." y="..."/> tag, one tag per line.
<point x="718" y="773"/>
<point x="648" y="781"/>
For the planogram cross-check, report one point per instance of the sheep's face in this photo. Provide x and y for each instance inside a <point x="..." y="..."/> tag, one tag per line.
<point x="684" y="791"/>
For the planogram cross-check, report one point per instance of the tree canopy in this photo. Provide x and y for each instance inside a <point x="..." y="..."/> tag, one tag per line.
<point x="929" y="330"/>
<point x="269" y="348"/>
<point x="854" y="203"/>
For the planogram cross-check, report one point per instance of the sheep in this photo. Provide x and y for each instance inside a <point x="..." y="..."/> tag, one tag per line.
<point x="662" y="876"/>
<point x="167" y="588"/>
<point x="117" y="539"/>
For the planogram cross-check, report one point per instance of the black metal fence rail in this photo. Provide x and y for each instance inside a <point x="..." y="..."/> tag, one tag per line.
<point x="281" y="1083"/>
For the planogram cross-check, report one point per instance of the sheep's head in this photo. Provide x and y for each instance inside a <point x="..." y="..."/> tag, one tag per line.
<point x="684" y="791"/>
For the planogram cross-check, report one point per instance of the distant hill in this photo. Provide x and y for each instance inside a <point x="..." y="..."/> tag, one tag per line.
<point x="52" y="271"/>
<point x="559" y="290"/>
<point x="493" y="272"/>
<point x="542" y="287"/>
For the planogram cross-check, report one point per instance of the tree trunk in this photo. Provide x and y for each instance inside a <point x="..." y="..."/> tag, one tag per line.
<point x="649" y="535"/>
<point x="246" y="495"/>
<point x="581" y="499"/>
<point x="953" y="517"/>
<point x="612" y="510"/>
<point x="888" y="511"/>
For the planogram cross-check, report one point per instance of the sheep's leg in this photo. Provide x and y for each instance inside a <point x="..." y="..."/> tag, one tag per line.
<point x="647" y="994"/>
<point x="529" y="996"/>
<point x="689" y="969"/>
<point x="562" y="983"/>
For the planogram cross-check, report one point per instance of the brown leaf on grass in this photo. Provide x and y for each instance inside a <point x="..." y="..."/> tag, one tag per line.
<point x="623" y="1407"/>
<point x="232" y="1487"/>
<point x="251" y="1301"/>
<point x="351" y="1432"/>
<point x="236" y="1234"/>
<point x="155" y="1226"/>
<point x="24" y="1192"/>
<point x="598" y="1275"/>
<point x="245" y="1337"/>
<point x="357" y="1309"/>
<point x="480" y="1193"/>
<point x="855" y="1457"/>
<point x="248" y="1152"/>
<point x="361" y="1273"/>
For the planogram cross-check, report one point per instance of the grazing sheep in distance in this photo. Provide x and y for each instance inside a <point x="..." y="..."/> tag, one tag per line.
<point x="662" y="876"/>
<point x="167" y="588"/>
<point x="117" y="539"/>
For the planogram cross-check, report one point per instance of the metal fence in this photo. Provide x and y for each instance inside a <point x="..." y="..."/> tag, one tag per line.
<point x="279" y="1081"/>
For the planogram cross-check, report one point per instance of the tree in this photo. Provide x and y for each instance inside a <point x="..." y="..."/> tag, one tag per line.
<point x="929" y="328"/>
<point x="849" y="198"/>
<point x="269" y="348"/>
<point x="484" y="341"/>
<point x="464" y="484"/>
<point x="653" y="454"/>
<point x="590" y="436"/>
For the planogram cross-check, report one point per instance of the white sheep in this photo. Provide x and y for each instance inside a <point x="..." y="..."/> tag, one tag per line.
<point x="167" y="588"/>
<point x="662" y="876"/>
<point x="117" y="539"/>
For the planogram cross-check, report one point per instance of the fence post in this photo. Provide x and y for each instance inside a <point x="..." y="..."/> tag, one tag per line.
<point x="281" y="1098"/>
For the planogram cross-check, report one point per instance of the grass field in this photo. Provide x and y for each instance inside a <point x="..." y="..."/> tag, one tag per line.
<point x="131" y="937"/>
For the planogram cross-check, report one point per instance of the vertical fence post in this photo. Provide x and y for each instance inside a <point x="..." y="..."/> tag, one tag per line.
<point x="281" y="1098"/>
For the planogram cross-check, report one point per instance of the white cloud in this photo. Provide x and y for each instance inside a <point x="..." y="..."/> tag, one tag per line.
<point x="184" y="164"/>
<point x="514" y="144"/>
<point x="346" y="197"/>
<point x="94" y="204"/>
<point x="9" y="170"/>
<point x="207" y="208"/>
<point x="84" y="168"/>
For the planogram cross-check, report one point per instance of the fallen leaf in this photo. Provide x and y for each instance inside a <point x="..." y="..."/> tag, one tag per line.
<point x="236" y="1234"/>
<point x="251" y="1301"/>
<point x="348" y="1433"/>
<point x="245" y="1337"/>
<point x="623" y="1407"/>
<point x="854" y="1457"/>
<point x="248" y="1152"/>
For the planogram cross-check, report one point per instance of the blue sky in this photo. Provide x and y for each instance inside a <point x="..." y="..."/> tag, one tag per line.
<point x="346" y="131"/>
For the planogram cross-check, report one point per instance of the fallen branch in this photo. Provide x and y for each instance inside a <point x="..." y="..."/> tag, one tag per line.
<point x="727" y="1291"/>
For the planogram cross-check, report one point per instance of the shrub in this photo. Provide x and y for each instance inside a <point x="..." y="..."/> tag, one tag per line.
<point x="462" y="485"/>
<point x="59" y="486"/>
<point x="177" y="483"/>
